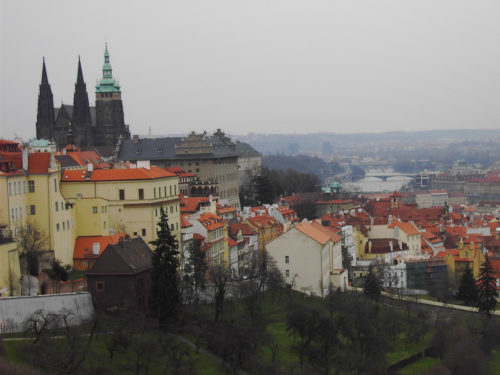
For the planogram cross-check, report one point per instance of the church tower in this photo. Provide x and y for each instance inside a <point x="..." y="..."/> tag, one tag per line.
<point x="109" y="108"/>
<point x="81" y="109"/>
<point x="45" y="119"/>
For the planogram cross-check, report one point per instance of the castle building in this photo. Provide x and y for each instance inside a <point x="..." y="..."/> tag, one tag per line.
<point x="85" y="126"/>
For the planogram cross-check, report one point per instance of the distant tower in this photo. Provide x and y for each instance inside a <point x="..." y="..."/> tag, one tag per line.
<point x="109" y="108"/>
<point x="81" y="120"/>
<point x="45" y="119"/>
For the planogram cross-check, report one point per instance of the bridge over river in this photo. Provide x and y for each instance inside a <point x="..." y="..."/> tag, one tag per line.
<point x="422" y="179"/>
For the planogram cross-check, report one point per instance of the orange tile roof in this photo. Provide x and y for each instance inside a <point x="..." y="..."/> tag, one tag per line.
<point x="334" y="237"/>
<point x="16" y="158"/>
<point x="180" y="172"/>
<point x="38" y="163"/>
<point x="191" y="204"/>
<point x="408" y="228"/>
<point x="430" y="237"/>
<point x="246" y="229"/>
<point x="313" y="232"/>
<point x="211" y="221"/>
<point x="224" y="209"/>
<point x="185" y="223"/>
<point x="117" y="174"/>
<point x="87" y="242"/>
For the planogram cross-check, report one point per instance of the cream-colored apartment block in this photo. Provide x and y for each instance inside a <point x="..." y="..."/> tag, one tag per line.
<point x="124" y="200"/>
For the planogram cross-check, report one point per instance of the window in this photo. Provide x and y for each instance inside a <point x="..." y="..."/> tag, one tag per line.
<point x="94" y="209"/>
<point x="67" y="223"/>
<point x="104" y="225"/>
<point x="58" y="227"/>
<point x="24" y="186"/>
<point x="197" y="169"/>
<point x="287" y="273"/>
<point x="141" y="193"/>
<point x="165" y="190"/>
<point x="12" y="214"/>
<point x="55" y="185"/>
<point x="31" y="186"/>
<point x="10" y="188"/>
<point x="99" y="286"/>
<point x="143" y="232"/>
<point x="21" y="211"/>
<point x="32" y="210"/>
<point x="122" y="194"/>
<point x="85" y="263"/>
<point x="171" y="209"/>
<point x="287" y="259"/>
<point x="154" y="193"/>
<point x="64" y="225"/>
<point x="170" y="190"/>
<point x="57" y="206"/>
<point x="15" y="188"/>
<point x="103" y="209"/>
<point x="171" y="227"/>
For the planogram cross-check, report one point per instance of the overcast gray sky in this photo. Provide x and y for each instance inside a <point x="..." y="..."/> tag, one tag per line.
<point x="260" y="66"/>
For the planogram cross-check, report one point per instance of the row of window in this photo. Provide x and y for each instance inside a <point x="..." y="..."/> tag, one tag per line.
<point x="95" y="209"/>
<point x="30" y="210"/>
<point x="157" y="210"/>
<point x="140" y="192"/>
<point x="65" y="225"/>
<point x="227" y="177"/>
<point x="15" y="187"/>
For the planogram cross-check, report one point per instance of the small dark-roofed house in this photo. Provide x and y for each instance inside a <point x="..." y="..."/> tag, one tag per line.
<point x="120" y="278"/>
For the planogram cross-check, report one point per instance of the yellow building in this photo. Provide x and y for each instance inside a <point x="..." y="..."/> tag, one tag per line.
<point x="110" y="201"/>
<point x="47" y="205"/>
<point x="31" y="194"/>
<point x="465" y="257"/>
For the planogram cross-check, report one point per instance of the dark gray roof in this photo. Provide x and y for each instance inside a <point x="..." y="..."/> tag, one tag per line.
<point x="68" y="109"/>
<point x="105" y="151"/>
<point x="129" y="256"/>
<point x="244" y="149"/>
<point x="66" y="161"/>
<point x="164" y="149"/>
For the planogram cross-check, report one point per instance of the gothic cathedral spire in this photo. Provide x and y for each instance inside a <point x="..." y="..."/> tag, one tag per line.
<point x="81" y="107"/>
<point x="45" y="119"/>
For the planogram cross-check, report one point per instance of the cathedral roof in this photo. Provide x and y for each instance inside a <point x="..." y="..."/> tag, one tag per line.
<point x="164" y="149"/>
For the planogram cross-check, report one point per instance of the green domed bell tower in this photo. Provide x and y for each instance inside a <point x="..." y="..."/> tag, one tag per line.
<point x="109" y="108"/>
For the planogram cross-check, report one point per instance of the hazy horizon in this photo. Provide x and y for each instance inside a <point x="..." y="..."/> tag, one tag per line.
<point x="280" y="67"/>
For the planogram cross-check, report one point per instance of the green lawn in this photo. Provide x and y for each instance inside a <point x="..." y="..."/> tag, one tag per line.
<point x="419" y="367"/>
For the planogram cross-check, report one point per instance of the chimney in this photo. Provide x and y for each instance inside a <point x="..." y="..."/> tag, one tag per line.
<point x="25" y="158"/>
<point x="136" y="138"/>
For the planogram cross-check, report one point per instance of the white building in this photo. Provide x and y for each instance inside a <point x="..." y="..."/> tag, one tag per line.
<point x="310" y="258"/>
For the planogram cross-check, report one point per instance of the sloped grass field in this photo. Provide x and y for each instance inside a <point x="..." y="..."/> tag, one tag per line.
<point x="275" y="350"/>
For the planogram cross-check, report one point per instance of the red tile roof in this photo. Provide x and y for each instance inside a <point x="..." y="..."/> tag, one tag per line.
<point x="192" y="204"/>
<point x="246" y="229"/>
<point x="180" y="172"/>
<point x="84" y="245"/>
<point x="211" y="221"/>
<point x="38" y="163"/>
<point x="408" y="228"/>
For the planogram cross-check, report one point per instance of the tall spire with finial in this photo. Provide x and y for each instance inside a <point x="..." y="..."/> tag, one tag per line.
<point x="45" y="80"/>
<point x="81" y="107"/>
<point x="45" y="119"/>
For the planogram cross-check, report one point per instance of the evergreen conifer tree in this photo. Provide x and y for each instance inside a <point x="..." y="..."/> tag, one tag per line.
<point x="164" y="296"/>
<point x="467" y="289"/>
<point x="487" y="288"/>
<point x="372" y="286"/>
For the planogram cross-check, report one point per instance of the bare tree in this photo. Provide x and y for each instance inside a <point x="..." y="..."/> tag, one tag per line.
<point x="219" y="276"/>
<point x="31" y="239"/>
